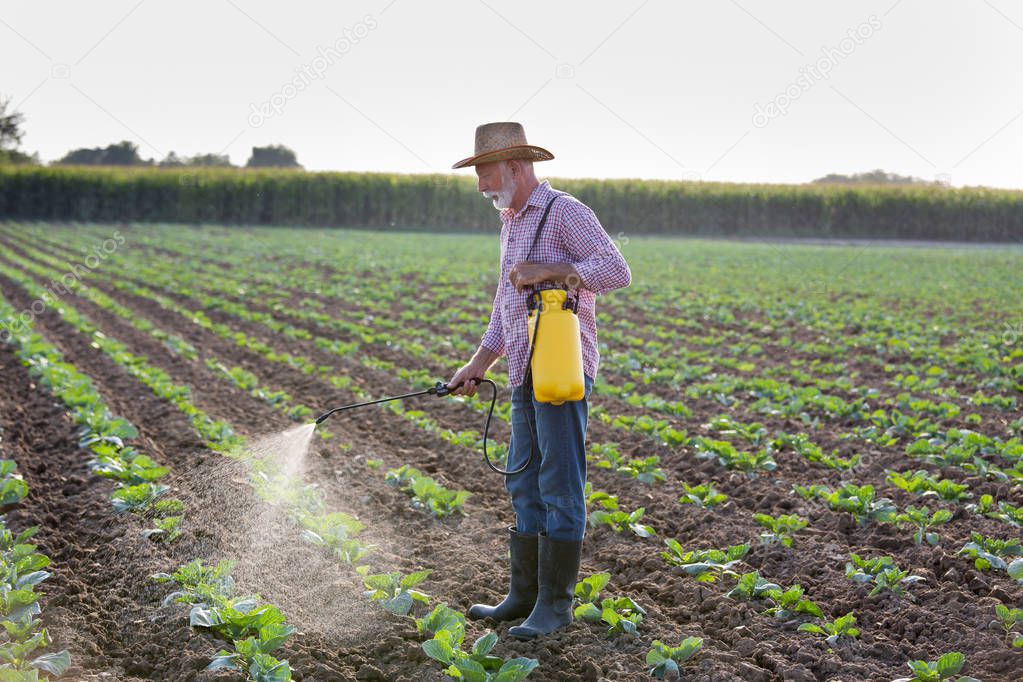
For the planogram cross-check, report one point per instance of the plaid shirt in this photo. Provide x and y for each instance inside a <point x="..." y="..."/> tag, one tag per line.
<point x="572" y="235"/>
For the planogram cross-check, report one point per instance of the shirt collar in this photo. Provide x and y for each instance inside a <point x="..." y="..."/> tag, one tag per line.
<point x="538" y="197"/>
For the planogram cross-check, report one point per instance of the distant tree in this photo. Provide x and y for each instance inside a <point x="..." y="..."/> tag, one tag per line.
<point x="276" y="155"/>
<point x="172" y="160"/>
<point x="123" y="153"/>
<point x="11" y="123"/>
<point x="13" y="156"/>
<point x="11" y="131"/>
<point x="83" y="157"/>
<point x="210" y="160"/>
<point x="874" y="177"/>
<point x="201" y="160"/>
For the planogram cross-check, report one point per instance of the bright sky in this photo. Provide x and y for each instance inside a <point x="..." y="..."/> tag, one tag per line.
<point x="729" y="90"/>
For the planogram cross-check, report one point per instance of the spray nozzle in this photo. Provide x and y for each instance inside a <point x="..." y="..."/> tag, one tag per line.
<point x="440" y="389"/>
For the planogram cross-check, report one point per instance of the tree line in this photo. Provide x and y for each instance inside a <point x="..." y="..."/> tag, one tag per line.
<point x="126" y="153"/>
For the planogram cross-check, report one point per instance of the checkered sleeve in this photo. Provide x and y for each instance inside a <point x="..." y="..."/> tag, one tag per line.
<point x="493" y="339"/>
<point x="595" y="257"/>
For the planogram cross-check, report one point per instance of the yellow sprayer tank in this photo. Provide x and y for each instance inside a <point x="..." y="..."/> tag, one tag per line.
<point x="557" y="363"/>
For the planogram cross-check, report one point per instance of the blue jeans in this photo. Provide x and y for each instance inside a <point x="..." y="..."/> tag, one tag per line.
<point x="548" y="496"/>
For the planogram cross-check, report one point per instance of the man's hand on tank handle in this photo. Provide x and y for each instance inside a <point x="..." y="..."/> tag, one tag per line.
<point x="527" y="273"/>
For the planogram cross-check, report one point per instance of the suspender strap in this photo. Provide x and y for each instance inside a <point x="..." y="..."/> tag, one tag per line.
<point x="539" y="228"/>
<point x="533" y="298"/>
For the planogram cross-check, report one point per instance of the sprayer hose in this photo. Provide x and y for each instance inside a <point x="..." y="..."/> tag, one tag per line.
<point x="526" y="386"/>
<point x="493" y="401"/>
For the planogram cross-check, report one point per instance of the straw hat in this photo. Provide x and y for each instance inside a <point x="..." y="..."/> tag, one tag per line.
<point x="503" y="141"/>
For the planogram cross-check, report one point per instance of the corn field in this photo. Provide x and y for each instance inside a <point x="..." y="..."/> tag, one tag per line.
<point x="449" y="202"/>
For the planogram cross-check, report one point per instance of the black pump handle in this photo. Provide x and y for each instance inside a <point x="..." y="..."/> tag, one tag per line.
<point x="442" y="389"/>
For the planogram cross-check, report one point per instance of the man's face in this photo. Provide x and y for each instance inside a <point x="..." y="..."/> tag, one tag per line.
<point x="495" y="182"/>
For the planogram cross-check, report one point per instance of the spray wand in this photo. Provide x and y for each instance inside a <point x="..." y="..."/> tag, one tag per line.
<point x="535" y="302"/>
<point x="441" y="389"/>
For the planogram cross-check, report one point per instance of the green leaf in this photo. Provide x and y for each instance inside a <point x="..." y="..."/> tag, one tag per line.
<point x="588" y="611"/>
<point x="439" y="650"/>
<point x="224" y="661"/>
<point x="950" y="664"/>
<point x="399" y="605"/>
<point x="664" y="667"/>
<point x="516" y="669"/>
<point x="443" y="618"/>
<point x="265" y="668"/>
<point x="484" y="644"/>
<point x="642" y="530"/>
<point x="921" y="669"/>
<point x="124" y="430"/>
<point x="471" y="671"/>
<point x="378" y="581"/>
<point x="55" y="664"/>
<point x="657" y="654"/>
<point x="687" y="649"/>
<point x="413" y="579"/>
<point x="274" y="635"/>
<point x="201" y="616"/>
<point x="33" y="578"/>
<point x="588" y="589"/>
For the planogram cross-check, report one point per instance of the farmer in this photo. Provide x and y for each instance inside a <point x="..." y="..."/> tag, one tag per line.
<point x="571" y="250"/>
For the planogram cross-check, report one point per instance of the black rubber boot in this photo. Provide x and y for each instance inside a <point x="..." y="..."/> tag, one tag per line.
<point x="558" y="572"/>
<point x="522" y="592"/>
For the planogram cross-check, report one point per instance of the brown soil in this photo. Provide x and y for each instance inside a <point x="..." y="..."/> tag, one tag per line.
<point x="102" y="606"/>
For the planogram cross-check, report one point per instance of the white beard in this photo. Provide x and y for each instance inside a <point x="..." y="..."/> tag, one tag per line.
<point x="502" y="199"/>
